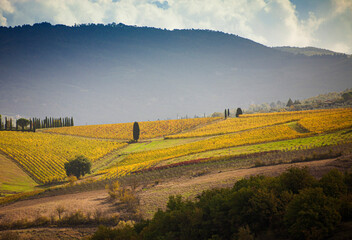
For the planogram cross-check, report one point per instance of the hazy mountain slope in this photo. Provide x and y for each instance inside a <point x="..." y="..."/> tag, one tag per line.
<point x="308" y="51"/>
<point x="118" y="73"/>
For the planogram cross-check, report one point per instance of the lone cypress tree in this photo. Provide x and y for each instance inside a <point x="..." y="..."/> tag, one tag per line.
<point x="225" y="113"/>
<point x="136" y="131"/>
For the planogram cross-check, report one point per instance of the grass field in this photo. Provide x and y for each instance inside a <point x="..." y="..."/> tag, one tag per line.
<point x="13" y="179"/>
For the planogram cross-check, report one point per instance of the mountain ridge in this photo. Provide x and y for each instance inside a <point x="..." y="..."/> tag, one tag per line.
<point x="120" y="73"/>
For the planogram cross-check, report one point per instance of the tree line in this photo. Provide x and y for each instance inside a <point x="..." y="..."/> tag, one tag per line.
<point x="32" y="124"/>
<point x="293" y="205"/>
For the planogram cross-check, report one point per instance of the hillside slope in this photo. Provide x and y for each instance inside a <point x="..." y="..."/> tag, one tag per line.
<point x="118" y="73"/>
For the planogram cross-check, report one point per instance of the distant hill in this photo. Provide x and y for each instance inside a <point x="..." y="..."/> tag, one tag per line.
<point x="308" y="51"/>
<point x="118" y="73"/>
<point x="329" y="100"/>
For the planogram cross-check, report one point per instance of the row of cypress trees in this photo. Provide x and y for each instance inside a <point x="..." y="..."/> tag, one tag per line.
<point x="238" y="112"/>
<point x="35" y="123"/>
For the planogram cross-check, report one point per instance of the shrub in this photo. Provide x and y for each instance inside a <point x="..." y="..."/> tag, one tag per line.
<point x="60" y="210"/>
<point x="72" y="179"/>
<point x="78" y="167"/>
<point x="74" y="218"/>
<point x="295" y="179"/>
<point x="244" y="233"/>
<point x="125" y="233"/>
<point x="333" y="184"/>
<point x="311" y="215"/>
<point x="9" y="236"/>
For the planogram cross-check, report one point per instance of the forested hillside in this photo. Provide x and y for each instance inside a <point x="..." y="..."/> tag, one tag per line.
<point x="113" y="69"/>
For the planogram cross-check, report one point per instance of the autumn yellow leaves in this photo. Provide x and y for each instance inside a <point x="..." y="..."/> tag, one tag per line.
<point x="43" y="154"/>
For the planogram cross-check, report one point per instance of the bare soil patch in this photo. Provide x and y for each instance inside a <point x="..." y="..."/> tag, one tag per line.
<point x="31" y="209"/>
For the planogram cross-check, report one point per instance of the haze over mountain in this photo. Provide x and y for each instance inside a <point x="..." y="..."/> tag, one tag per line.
<point x="118" y="73"/>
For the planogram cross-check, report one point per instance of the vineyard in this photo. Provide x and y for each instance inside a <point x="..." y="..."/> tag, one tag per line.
<point x="123" y="131"/>
<point x="43" y="154"/>
<point x="317" y="121"/>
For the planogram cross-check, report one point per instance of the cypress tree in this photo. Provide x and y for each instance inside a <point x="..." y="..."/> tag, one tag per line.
<point x="10" y="124"/>
<point x="0" y="123"/>
<point x="136" y="131"/>
<point x="289" y="103"/>
<point x="5" y="123"/>
<point x="225" y="113"/>
<point x="71" y="121"/>
<point x="228" y="112"/>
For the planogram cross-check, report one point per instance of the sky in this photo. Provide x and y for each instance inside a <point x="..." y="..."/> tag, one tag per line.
<point x="320" y="23"/>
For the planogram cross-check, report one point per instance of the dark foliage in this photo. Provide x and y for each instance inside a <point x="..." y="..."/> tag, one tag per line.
<point x="22" y="122"/>
<point x="78" y="167"/>
<point x="238" y="112"/>
<point x="136" y="131"/>
<point x="293" y="205"/>
<point x="289" y="103"/>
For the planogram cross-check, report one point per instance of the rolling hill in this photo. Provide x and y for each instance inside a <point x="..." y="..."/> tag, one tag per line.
<point x="118" y="73"/>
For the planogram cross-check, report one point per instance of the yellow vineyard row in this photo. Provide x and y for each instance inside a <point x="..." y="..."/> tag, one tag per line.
<point x="317" y="121"/>
<point x="44" y="155"/>
<point x="140" y="160"/>
<point x="328" y="121"/>
<point x="124" y="130"/>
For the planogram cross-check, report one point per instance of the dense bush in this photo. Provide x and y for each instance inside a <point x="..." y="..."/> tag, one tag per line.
<point x="78" y="167"/>
<point x="293" y="204"/>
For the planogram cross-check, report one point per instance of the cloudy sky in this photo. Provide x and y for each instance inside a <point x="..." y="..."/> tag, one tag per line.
<point x="320" y="23"/>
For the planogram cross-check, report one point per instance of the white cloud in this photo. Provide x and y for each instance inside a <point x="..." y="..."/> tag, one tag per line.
<point x="342" y="6"/>
<point x="271" y="22"/>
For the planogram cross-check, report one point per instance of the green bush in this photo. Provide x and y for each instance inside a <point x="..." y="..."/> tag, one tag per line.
<point x="105" y="233"/>
<point x="78" y="167"/>
<point x="333" y="184"/>
<point x="295" y="179"/>
<point x="260" y="207"/>
<point x="312" y="215"/>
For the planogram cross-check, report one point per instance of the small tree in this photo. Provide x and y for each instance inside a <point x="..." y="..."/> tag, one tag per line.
<point x="289" y="103"/>
<point x="136" y="131"/>
<point x="238" y="112"/>
<point x="22" y="122"/>
<point x="225" y="113"/>
<point x="78" y="167"/>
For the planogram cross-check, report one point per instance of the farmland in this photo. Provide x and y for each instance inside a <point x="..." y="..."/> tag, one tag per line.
<point x="169" y="151"/>
<point x="123" y="131"/>
<point x="43" y="154"/>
